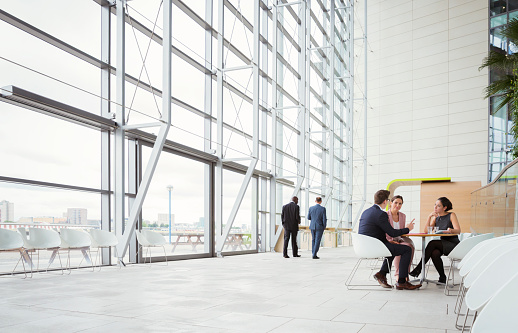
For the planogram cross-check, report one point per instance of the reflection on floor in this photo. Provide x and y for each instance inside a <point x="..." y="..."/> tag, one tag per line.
<point x="246" y="293"/>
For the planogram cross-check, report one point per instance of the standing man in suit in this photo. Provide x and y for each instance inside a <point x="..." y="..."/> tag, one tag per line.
<point x="290" y="216"/>
<point x="374" y="222"/>
<point x="317" y="215"/>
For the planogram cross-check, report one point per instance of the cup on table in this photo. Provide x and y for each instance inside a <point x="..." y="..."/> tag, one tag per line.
<point x="435" y="229"/>
<point x="430" y="230"/>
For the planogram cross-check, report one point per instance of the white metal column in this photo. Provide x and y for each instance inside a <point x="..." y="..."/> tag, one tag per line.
<point x="165" y="124"/>
<point x="120" y="147"/>
<point x="105" y="134"/>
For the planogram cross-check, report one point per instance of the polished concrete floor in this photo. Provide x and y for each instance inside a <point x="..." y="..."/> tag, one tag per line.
<point x="246" y="293"/>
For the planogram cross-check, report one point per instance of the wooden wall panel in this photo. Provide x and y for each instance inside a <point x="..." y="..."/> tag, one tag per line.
<point x="459" y="194"/>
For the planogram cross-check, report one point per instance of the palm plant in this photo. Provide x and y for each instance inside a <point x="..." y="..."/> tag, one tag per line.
<point x="507" y="84"/>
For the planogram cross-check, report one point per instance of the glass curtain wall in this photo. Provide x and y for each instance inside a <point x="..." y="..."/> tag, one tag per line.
<point x="260" y="111"/>
<point x="500" y="138"/>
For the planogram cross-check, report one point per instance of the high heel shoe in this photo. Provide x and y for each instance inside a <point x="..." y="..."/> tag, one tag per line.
<point x="415" y="273"/>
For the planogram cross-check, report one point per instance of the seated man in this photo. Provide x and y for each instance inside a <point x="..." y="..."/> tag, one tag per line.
<point x="374" y="222"/>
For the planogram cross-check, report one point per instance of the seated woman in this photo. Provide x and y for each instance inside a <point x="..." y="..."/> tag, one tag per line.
<point x="447" y="222"/>
<point x="398" y="221"/>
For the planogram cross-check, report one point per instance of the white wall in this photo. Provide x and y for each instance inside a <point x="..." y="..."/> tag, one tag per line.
<point x="426" y="113"/>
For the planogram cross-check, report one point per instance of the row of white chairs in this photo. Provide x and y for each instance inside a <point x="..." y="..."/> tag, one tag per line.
<point x="489" y="286"/>
<point x="71" y="239"/>
<point x="44" y="239"/>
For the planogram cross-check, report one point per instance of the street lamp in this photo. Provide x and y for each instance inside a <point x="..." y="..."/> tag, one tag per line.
<point x="170" y="188"/>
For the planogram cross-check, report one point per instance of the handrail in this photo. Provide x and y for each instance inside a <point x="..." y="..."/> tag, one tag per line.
<point x="515" y="161"/>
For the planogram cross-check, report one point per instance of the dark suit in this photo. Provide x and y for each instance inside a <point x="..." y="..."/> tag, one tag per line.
<point x="317" y="215"/>
<point x="374" y="222"/>
<point x="290" y="216"/>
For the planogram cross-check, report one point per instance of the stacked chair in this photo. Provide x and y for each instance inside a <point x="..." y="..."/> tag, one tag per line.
<point x="485" y="270"/>
<point x="459" y="252"/>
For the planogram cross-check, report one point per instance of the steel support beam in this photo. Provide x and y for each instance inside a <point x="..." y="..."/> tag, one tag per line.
<point x="208" y="244"/>
<point x="120" y="118"/>
<point x="218" y="177"/>
<point x="162" y="134"/>
<point x="105" y="134"/>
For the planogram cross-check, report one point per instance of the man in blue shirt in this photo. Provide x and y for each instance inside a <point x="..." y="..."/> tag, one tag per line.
<point x="317" y="215"/>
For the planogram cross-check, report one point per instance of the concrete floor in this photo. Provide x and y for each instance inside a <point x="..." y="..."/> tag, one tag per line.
<point x="247" y="293"/>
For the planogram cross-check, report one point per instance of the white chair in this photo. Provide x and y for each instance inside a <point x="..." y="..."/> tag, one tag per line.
<point x="490" y="281"/>
<point x="76" y="240"/>
<point x="42" y="239"/>
<point x="102" y="239"/>
<point x="474" y="265"/>
<point x="499" y="314"/>
<point x="11" y="241"/>
<point x="367" y="248"/>
<point x="149" y="239"/>
<point x="459" y="252"/>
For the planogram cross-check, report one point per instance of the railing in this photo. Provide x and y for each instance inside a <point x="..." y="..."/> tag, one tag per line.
<point x="494" y="207"/>
<point x="49" y="226"/>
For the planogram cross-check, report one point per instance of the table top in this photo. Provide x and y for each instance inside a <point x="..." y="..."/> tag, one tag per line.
<point x="422" y="234"/>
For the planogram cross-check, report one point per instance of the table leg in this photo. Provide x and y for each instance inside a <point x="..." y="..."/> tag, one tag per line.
<point x="423" y="268"/>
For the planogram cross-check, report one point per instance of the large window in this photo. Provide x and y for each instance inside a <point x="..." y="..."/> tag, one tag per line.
<point x="500" y="122"/>
<point x="259" y="110"/>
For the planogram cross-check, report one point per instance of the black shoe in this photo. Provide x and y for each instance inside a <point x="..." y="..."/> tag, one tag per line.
<point x="442" y="279"/>
<point x="296" y="255"/>
<point x="407" y="286"/>
<point x="415" y="273"/>
<point x="315" y="257"/>
<point x="286" y="256"/>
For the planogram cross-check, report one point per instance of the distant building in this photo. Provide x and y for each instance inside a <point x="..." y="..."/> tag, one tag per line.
<point x="25" y="220"/>
<point x="164" y="219"/>
<point x="6" y="211"/>
<point x="49" y="219"/>
<point x="77" y="216"/>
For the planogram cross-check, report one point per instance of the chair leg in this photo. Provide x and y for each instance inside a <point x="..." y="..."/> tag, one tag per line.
<point x="459" y="292"/>
<point x="18" y="262"/>
<point x="119" y="260"/>
<point x="165" y="256"/>
<point x="351" y="275"/>
<point x="390" y="273"/>
<point x="450" y="272"/>
<point x="91" y="261"/>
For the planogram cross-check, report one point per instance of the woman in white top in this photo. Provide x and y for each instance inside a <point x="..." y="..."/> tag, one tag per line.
<point x="398" y="221"/>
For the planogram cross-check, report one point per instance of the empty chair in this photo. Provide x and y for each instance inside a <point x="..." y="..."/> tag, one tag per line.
<point x="102" y="239"/>
<point x="76" y="240"/>
<point x="459" y="252"/>
<point x="366" y="247"/>
<point x="149" y="239"/>
<point x="11" y="241"/>
<point x="42" y="239"/>
<point x="499" y="314"/>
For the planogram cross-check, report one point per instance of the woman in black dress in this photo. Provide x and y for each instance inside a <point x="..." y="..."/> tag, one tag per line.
<point x="448" y="223"/>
